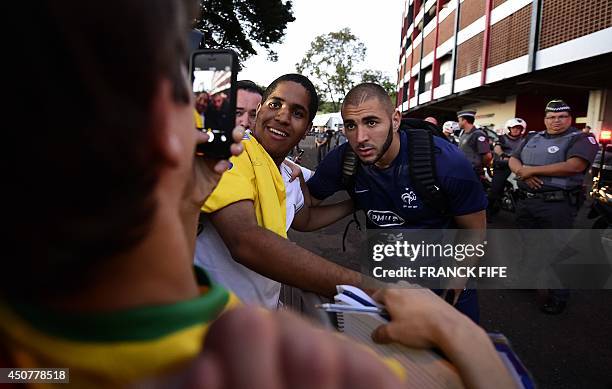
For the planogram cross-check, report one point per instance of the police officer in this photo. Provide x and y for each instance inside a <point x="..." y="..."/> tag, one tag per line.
<point x="449" y="129"/>
<point x="551" y="166"/>
<point x="473" y="142"/>
<point x="504" y="147"/>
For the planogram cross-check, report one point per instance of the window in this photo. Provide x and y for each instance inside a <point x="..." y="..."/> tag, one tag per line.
<point x="446" y="66"/>
<point x="425" y="80"/>
<point x="430" y="15"/>
<point x="410" y="15"/>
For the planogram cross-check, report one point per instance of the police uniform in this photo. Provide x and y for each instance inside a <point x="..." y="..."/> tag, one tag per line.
<point x="501" y="169"/>
<point x="321" y="149"/>
<point x="554" y="205"/>
<point x="473" y="144"/>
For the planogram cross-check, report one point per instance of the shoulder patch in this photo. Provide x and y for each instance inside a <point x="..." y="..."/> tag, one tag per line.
<point x="592" y="140"/>
<point x="482" y="138"/>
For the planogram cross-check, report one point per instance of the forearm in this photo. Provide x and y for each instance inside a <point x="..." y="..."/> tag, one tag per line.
<point x="308" y="198"/>
<point x="560" y="169"/>
<point x="515" y="164"/>
<point x="324" y="215"/>
<point x="471" y="351"/>
<point x="279" y="259"/>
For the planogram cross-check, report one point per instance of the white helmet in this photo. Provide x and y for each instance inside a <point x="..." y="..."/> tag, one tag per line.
<point x="515" y="122"/>
<point x="450" y="127"/>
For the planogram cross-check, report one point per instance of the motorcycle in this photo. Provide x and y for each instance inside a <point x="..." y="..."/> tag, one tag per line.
<point x="509" y="196"/>
<point x="601" y="190"/>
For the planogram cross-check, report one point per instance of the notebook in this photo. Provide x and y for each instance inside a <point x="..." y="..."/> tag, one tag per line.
<point x="424" y="368"/>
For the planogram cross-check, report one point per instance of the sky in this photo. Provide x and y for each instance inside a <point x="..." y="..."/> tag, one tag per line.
<point x="376" y="23"/>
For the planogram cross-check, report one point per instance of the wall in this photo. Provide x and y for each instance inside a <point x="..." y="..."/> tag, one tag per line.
<point x="531" y="106"/>
<point x="500" y="112"/>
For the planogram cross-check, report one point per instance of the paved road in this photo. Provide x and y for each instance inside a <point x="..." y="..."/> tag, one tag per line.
<point x="572" y="350"/>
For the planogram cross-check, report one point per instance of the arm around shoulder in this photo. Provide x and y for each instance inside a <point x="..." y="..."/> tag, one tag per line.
<point x="275" y="257"/>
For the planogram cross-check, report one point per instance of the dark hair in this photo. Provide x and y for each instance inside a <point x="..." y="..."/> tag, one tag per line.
<point x="249" y="86"/>
<point x="313" y="104"/>
<point x="365" y="91"/>
<point x="469" y="119"/>
<point x="82" y="170"/>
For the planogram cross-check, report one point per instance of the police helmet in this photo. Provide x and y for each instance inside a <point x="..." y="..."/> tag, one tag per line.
<point x="513" y="123"/>
<point x="450" y="127"/>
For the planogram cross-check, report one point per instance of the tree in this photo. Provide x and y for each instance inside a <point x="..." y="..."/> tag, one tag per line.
<point x="330" y="61"/>
<point x="377" y="77"/>
<point x="239" y="24"/>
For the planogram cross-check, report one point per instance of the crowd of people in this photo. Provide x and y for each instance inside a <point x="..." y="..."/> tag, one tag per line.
<point x="144" y="261"/>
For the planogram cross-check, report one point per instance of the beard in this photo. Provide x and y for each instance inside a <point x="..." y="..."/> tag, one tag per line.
<point x="384" y="148"/>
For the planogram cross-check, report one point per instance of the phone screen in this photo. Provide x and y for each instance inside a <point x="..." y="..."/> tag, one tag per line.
<point x="213" y="80"/>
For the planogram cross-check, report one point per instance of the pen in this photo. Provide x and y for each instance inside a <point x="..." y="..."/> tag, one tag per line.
<point x="357" y="298"/>
<point x="350" y="308"/>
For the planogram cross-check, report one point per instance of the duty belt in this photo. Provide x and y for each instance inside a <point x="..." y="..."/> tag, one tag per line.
<point x="552" y="195"/>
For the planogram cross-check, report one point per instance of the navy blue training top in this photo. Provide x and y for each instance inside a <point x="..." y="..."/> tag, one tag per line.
<point x="387" y="197"/>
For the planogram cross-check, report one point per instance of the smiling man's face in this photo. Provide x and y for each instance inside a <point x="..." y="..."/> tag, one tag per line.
<point x="283" y="119"/>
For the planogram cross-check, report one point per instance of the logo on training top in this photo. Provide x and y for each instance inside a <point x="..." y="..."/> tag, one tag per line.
<point x="592" y="140"/>
<point x="481" y="138"/>
<point x="408" y="198"/>
<point x="384" y="218"/>
<point x="553" y="149"/>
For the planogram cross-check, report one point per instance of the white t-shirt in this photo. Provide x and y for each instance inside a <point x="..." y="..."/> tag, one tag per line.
<point x="213" y="255"/>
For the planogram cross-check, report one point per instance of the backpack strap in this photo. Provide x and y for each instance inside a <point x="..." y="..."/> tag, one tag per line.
<point x="422" y="169"/>
<point x="349" y="169"/>
<point x="350" y="162"/>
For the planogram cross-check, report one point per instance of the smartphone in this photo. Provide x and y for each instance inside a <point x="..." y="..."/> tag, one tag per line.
<point x="213" y="80"/>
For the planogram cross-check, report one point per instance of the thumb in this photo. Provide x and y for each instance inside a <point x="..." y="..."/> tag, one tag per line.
<point x="383" y="333"/>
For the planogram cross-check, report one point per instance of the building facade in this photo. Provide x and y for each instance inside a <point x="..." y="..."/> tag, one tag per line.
<point x="506" y="58"/>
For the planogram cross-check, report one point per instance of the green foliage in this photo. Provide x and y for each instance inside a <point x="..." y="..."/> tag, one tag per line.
<point x="330" y="63"/>
<point x="326" y="107"/>
<point x="377" y="77"/>
<point x="239" y="24"/>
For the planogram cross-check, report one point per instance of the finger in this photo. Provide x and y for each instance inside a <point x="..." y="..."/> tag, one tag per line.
<point x="238" y="133"/>
<point x="205" y="373"/>
<point x="236" y="148"/>
<point x="201" y="137"/>
<point x="221" y="166"/>
<point x="384" y="333"/>
<point x="249" y="357"/>
<point x="379" y="295"/>
<point x="311" y="358"/>
<point x="365" y="370"/>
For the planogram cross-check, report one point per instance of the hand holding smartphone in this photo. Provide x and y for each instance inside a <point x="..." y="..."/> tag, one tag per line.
<point x="213" y="79"/>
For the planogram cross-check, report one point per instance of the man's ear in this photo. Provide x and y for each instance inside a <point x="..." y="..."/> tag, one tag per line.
<point x="307" y="129"/>
<point x="396" y="120"/>
<point x="166" y="114"/>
